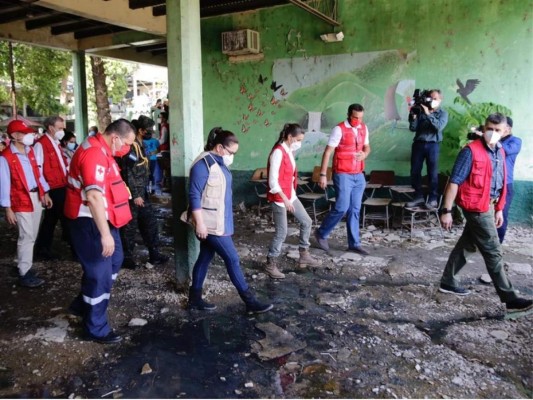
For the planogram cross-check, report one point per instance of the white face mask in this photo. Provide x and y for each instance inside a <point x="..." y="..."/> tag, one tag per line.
<point x="71" y="146"/>
<point x="435" y="104"/>
<point x="296" y="146"/>
<point x="492" y="137"/>
<point x="59" y="134"/>
<point x="27" y="139"/>
<point x="228" y="159"/>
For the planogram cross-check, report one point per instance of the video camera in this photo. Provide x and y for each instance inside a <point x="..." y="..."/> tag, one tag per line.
<point x="420" y="97"/>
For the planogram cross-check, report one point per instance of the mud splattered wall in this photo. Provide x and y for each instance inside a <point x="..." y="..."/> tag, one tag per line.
<point x="390" y="47"/>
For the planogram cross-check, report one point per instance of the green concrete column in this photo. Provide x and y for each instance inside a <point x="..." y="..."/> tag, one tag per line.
<point x="80" y="94"/>
<point x="184" y="62"/>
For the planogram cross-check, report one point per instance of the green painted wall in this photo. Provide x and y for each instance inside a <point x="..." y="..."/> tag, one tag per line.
<point x="408" y="43"/>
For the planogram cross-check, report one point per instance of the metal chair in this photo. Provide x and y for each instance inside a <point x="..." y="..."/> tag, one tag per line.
<point x="260" y="180"/>
<point x="313" y="193"/>
<point x="377" y="208"/>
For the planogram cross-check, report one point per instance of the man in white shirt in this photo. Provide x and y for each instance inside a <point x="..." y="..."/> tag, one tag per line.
<point x="53" y="166"/>
<point x="350" y="147"/>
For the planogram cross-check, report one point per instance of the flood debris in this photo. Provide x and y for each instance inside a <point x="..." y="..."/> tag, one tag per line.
<point x="277" y="343"/>
<point x="137" y="322"/>
<point x="146" y="369"/>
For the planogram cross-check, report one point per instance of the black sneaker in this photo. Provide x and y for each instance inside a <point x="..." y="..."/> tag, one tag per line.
<point x="519" y="304"/>
<point x="419" y="201"/>
<point x="30" y="280"/>
<point x="157" y="258"/>
<point x="322" y="243"/>
<point x="359" y="250"/>
<point x="129" y="263"/>
<point x="110" y="338"/>
<point x="453" y="290"/>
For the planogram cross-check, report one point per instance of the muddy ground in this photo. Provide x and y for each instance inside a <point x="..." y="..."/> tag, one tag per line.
<point x="358" y="327"/>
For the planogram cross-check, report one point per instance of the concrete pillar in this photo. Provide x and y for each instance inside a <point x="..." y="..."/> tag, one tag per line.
<point x="80" y="95"/>
<point x="184" y="62"/>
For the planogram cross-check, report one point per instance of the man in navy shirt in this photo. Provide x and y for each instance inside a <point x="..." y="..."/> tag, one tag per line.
<point x="511" y="145"/>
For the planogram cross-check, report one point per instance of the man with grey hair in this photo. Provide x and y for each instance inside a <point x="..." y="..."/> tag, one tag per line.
<point x="53" y="166"/>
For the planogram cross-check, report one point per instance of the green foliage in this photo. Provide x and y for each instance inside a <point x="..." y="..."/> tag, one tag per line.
<point x="117" y="73"/>
<point x="461" y="121"/>
<point x="38" y="75"/>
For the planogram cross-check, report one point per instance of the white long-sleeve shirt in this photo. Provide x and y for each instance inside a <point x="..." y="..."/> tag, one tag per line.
<point x="273" y="176"/>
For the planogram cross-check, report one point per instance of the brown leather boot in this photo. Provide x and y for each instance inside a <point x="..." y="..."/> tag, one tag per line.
<point x="272" y="268"/>
<point x="306" y="259"/>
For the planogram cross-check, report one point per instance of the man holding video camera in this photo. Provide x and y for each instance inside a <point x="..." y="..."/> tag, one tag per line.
<point x="427" y="120"/>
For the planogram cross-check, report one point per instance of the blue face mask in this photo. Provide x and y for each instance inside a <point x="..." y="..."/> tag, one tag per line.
<point x="72" y="146"/>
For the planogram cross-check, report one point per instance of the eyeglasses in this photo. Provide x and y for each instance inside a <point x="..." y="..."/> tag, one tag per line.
<point x="231" y="153"/>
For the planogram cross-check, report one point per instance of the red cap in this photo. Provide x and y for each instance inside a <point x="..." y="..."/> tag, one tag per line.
<point x="19" y="126"/>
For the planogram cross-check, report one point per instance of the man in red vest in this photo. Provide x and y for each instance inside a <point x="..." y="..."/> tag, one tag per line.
<point x="97" y="205"/>
<point x="23" y="192"/>
<point x="53" y="166"/>
<point x="478" y="186"/>
<point x="350" y="147"/>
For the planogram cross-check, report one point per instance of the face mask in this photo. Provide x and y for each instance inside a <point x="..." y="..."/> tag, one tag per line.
<point x="71" y="146"/>
<point x="354" y="122"/>
<point x="228" y="159"/>
<point x="92" y="133"/>
<point x="59" y="134"/>
<point x="28" y="139"/>
<point x="492" y="137"/>
<point x="124" y="149"/>
<point x="296" y="146"/>
<point x="435" y="104"/>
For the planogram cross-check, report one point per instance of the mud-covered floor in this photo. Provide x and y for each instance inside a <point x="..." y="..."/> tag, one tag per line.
<point x="358" y="327"/>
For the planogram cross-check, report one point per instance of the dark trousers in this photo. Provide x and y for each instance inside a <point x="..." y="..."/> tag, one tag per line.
<point x="224" y="247"/>
<point x="99" y="274"/>
<point x="480" y="230"/>
<point x="51" y="217"/>
<point x="429" y="152"/>
<point x="508" y="199"/>
<point x="143" y="218"/>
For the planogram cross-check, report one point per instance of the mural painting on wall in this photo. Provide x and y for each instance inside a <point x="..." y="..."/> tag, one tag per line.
<point x="321" y="89"/>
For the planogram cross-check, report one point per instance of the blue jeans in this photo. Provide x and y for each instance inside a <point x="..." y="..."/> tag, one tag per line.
<point x="508" y="200"/>
<point x="428" y="151"/>
<point x="224" y="247"/>
<point x="99" y="273"/>
<point x="349" y="189"/>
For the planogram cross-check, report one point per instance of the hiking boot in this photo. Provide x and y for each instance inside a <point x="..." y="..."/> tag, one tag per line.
<point x="419" y="201"/>
<point x="443" y="288"/>
<point x="272" y="268"/>
<point x="157" y="258"/>
<point x="306" y="260"/>
<point x="129" y="263"/>
<point x="30" y="280"/>
<point x="359" y="250"/>
<point x="322" y="243"/>
<point x="519" y="304"/>
<point x="196" y="302"/>
<point x="254" y="306"/>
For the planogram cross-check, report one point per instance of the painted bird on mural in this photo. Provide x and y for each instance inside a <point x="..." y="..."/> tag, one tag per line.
<point x="274" y="86"/>
<point x="465" y="90"/>
<point x="262" y="79"/>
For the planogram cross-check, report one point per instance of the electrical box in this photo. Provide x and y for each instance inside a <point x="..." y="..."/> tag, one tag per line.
<point x="240" y="42"/>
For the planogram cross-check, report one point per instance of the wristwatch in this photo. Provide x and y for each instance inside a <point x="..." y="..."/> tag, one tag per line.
<point x="446" y="211"/>
<point x="323" y="175"/>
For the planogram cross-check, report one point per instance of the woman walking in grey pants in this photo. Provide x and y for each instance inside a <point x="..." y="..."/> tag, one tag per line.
<point x="282" y="181"/>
